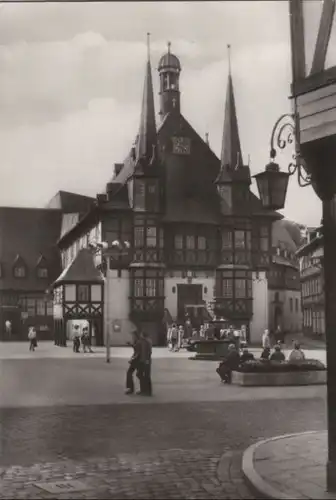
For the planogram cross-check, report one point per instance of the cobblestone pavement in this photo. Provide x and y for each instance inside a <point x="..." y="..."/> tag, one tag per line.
<point x="137" y="448"/>
<point x="188" y="474"/>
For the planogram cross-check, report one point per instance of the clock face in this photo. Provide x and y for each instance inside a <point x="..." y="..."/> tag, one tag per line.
<point x="181" y="145"/>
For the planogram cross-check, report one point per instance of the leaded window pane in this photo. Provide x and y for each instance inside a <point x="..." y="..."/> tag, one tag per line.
<point x="190" y="242"/>
<point x="40" y="307"/>
<point x="138" y="288"/>
<point x="178" y="241"/>
<point x="201" y="242"/>
<point x="83" y="293"/>
<point x="240" y="239"/>
<point x="139" y="237"/>
<point x="150" y="287"/>
<point x="19" y="272"/>
<point x="226" y="239"/>
<point x="240" y="288"/>
<point x="151" y="237"/>
<point x="227" y="288"/>
<point x="139" y="194"/>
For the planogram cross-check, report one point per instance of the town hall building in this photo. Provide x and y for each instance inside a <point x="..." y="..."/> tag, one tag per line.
<point x="176" y="226"/>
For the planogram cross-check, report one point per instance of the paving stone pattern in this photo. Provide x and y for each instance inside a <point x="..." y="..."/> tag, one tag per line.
<point x="295" y="465"/>
<point x="187" y="474"/>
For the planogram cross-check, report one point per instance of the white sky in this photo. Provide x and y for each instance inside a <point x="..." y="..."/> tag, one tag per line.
<point x="71" y="79"/>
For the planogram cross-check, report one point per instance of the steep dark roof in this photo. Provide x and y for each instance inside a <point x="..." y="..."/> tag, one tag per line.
<point x="81" y="269"/>
<point x="70" y="202"/>
<point x="30" y="233"/>
<point x="232" y="168"/>
<point x="147" y="141"/>
<point x="191" y="194"/>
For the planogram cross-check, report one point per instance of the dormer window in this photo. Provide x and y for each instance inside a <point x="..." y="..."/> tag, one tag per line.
<point x="42" y="272"/>
<point x="19" y="271"/>
<point x="19" y="267"/>
<point x="42" y="268"/>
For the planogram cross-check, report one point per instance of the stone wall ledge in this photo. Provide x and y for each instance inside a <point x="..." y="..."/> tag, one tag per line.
<point x="313" y="377"/>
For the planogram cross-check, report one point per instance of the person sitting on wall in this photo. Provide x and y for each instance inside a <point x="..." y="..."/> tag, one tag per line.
<point x="277" y="354"/>
<point x="297" y="354"/>
<point x="246" y="356"/>
<point x="231" y="362"/>
<point x="265" y="355"/>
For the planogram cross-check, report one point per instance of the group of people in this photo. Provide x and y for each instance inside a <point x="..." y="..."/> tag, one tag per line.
<point x="237" y="357"/>
<point x="178" y="335"/>
<point x="140" y="363"/>
<point x="277" y="355"/>
<point x="81" y="337"/>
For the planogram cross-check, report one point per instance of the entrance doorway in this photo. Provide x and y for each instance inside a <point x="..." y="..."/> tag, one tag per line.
<point x="187" y="294"/>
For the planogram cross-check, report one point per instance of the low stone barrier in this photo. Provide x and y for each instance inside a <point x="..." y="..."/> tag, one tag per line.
<point x="313" y="377"/>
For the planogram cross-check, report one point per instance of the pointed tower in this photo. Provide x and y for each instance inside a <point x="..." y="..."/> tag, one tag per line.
<point x="234" y="177"/>
<point x="169" y="70"/>
<point x="146" y="170"/>
<point x="146" y="147"/>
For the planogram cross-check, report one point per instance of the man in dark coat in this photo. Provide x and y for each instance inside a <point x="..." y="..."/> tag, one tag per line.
<point x="134" y="363"/>
<point x="145" y="363"/>
<point x="231" y="362"/>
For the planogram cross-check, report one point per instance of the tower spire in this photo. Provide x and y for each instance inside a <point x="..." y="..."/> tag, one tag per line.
<point x="231" y="155"/>
<point x="229" y="57"/>
<point x="147" y="139"/>
<point x="148" y="46"/>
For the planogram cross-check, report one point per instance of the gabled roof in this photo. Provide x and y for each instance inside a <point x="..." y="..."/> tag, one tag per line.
<point x="81" y="269"/>
<point x="70" y="202"/>
<point x="30" y="233"/>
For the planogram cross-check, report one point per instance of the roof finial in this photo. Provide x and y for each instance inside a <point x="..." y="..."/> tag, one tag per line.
<point x="207" y="138"/>
<point x="169" y="45"/>
<point x="229" y="57"/>
<point x="148" y="46"/>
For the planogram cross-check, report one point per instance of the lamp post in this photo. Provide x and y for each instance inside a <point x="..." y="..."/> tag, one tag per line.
<point x="118" y="248"/>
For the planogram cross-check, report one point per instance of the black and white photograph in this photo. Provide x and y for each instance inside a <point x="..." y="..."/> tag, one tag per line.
<point x="168" y="249"/>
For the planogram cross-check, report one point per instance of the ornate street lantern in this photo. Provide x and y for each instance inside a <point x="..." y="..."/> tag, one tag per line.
<point x="272" y="186"/>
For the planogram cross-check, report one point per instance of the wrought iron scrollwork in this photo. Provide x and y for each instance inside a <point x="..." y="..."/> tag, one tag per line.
<point x="284" y="134"/>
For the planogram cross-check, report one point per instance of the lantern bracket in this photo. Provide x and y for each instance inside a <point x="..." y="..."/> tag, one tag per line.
<point x="286" y="132"/>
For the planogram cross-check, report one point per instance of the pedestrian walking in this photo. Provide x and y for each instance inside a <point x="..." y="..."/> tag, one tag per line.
<point x="86" y="339"/>
<point x="180" y="338"/>
<point x="265" y="339"/>
<point x="134" y="363"/>
<point x="173" y="337"/>
<point x="145" y="365"/>
<point x="32" y="338"/>
<point x="76" y="338"/>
